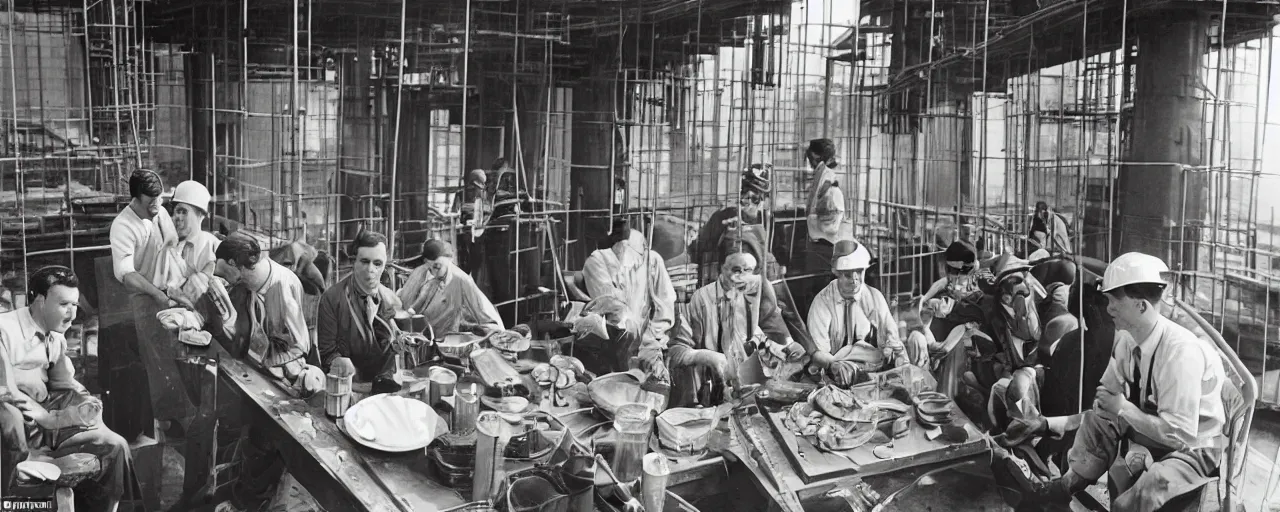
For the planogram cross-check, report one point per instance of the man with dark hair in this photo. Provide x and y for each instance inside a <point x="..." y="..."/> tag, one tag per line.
<point x="447" y="296"/>
<point x="825" y="216"/>
<point x="355" y="319"/>
<point x="140" y="237"/>
<point x="267" y="297"/>
<point x="1162" y="392"/>
<point x="746" y="224"/>
<point x="47" y="407"/>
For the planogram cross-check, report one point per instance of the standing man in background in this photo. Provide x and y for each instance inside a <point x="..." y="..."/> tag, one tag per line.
<point x="825" y="219"/>
<point x="140" y="235"/>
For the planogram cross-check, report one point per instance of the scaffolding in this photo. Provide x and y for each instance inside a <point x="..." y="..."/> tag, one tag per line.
<point x="311" y="120"/>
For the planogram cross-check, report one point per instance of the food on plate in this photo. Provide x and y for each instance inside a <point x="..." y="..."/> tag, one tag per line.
<point x="841" y="405"/>
<point x="835" y="436"/>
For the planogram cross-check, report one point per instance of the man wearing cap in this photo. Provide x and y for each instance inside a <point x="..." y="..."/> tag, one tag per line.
<point x="41" y="403"/>
<point x="1162" y="392"/>
<point x="722" y="332"/>
<point x="852" y="328"/>
<point x="447" y="296"/>
<point x="638" y="276"/>
<point x="1053" y="227"/>
<point x="140" y="238"/>
<point x="745" y="224"/>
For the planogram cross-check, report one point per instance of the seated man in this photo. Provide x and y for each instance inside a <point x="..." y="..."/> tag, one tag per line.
<point x="630" y="271"/>
<point x="1015" y="323"/>
<point x="852" y="328"/>
<point x="724" y="317"/>
<point x="268" y="324"/>
<point x="1161" y="392"/>
<point x="355" y="319"/>
<point x="59" y="413"/>
<point x="447" y="296"/>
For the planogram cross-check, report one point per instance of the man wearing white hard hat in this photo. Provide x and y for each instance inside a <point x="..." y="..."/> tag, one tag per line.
<point x="852" y="328"/>
<point x="1161" y="392"/>
<point x="192" y="253"/>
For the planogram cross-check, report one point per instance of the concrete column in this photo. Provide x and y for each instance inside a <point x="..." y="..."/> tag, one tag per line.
<point x="1157" y="195"/>
<point x="593" y="156"/>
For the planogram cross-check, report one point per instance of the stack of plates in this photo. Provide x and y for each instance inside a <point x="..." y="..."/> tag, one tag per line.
<point x="933" y="409"/>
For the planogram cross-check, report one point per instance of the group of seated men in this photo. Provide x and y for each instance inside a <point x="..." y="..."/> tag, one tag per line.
<point x="1161" y="389"/>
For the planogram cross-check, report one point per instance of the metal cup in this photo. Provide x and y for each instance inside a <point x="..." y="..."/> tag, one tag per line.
<point x="441" y="382"/>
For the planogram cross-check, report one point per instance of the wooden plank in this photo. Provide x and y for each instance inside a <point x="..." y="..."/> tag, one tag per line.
<point x="322" y="459"/>
<point x="915" y="449"/>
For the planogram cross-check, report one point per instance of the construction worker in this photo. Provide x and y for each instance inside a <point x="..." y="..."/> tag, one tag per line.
<point x="474" y="208"/>
<point x="447" y="296"/>
<point x="140" y="238"/>
<point x="1161" y="392"/>
<point x="355" y="319"/>
<point x="1054" y="227"/>
<point x="746" y="223"/>
<point x="47" y="407"/>
<point x="851" y="325"/>
<point x="722" y="332"/>
<point x="630" y="271"/>
<point x="194" y="247"/>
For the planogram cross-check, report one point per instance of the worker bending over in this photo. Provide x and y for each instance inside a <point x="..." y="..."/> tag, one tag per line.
<point x="1161" y="392"/>
<point x="638" y="276"/>
<point x="355" y="316"/>
<point x="722" y="338"/>
<point x="852" y="328"/>
<point x="267" y="298"/>
<point x="447" y="296"/>
<point x="142" y="237"/>
<point x="47" y="407"/>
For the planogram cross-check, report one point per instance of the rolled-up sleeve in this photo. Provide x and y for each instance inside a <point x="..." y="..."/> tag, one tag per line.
<point x="124" y="243"/>
<point x="819" y="323"/>
<point x="664" y="299"/>
<point x="291" y="297"/>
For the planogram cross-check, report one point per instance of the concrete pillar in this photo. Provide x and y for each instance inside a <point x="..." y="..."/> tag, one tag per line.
<point x="593" y="156"/>
<point x="1157" y="195"/>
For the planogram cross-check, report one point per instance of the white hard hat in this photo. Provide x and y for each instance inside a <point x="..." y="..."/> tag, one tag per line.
<point x="1133" y="268"/>
<point x="850" y="255"/>
<point x="192" y="193"/>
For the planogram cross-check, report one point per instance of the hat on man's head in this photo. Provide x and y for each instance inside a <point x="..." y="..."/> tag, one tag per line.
<point x="850" y="255"/>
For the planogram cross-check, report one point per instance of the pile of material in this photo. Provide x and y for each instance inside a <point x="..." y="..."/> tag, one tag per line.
<point x="839" y="420"/>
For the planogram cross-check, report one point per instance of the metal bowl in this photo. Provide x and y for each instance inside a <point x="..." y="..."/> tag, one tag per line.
<point x="458" y="345"/>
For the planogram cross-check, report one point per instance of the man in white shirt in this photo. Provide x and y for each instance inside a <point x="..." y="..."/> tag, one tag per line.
<point x="852" y="328"/>
<point x="447" y="296"/>
<point x="825" y="217"/>
<point x="56" y="411"/>
<point x="1162" y="394"/>
<point x="141" y="236"/>
<point x="630" y="271"/>
<point x="194" y="249"/>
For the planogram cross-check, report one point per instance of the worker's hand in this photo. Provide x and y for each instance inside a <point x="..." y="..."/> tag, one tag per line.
<point x="1109" y="402"/>
<point x="843" y="373"/>
<point x="793" y="350"/>
<point x="179" y="300"/>
<point x="715" y="361"/>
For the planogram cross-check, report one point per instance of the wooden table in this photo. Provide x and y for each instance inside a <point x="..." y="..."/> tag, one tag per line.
<point x="343" y="475"/>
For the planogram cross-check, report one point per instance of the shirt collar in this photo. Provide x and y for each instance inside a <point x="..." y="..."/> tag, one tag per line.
<point x="1153" y="339"/>
<point x="857" y="297"/>
<point x="30" y="328"/>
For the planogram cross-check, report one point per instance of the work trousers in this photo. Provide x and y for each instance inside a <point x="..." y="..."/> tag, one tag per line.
<point x="158" y="349"/>
<point x="1147" y="477"/>
<point x="111" y="450"/>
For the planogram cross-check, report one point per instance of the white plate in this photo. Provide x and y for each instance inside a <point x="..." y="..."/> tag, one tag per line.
<point x="395" y="423"/>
